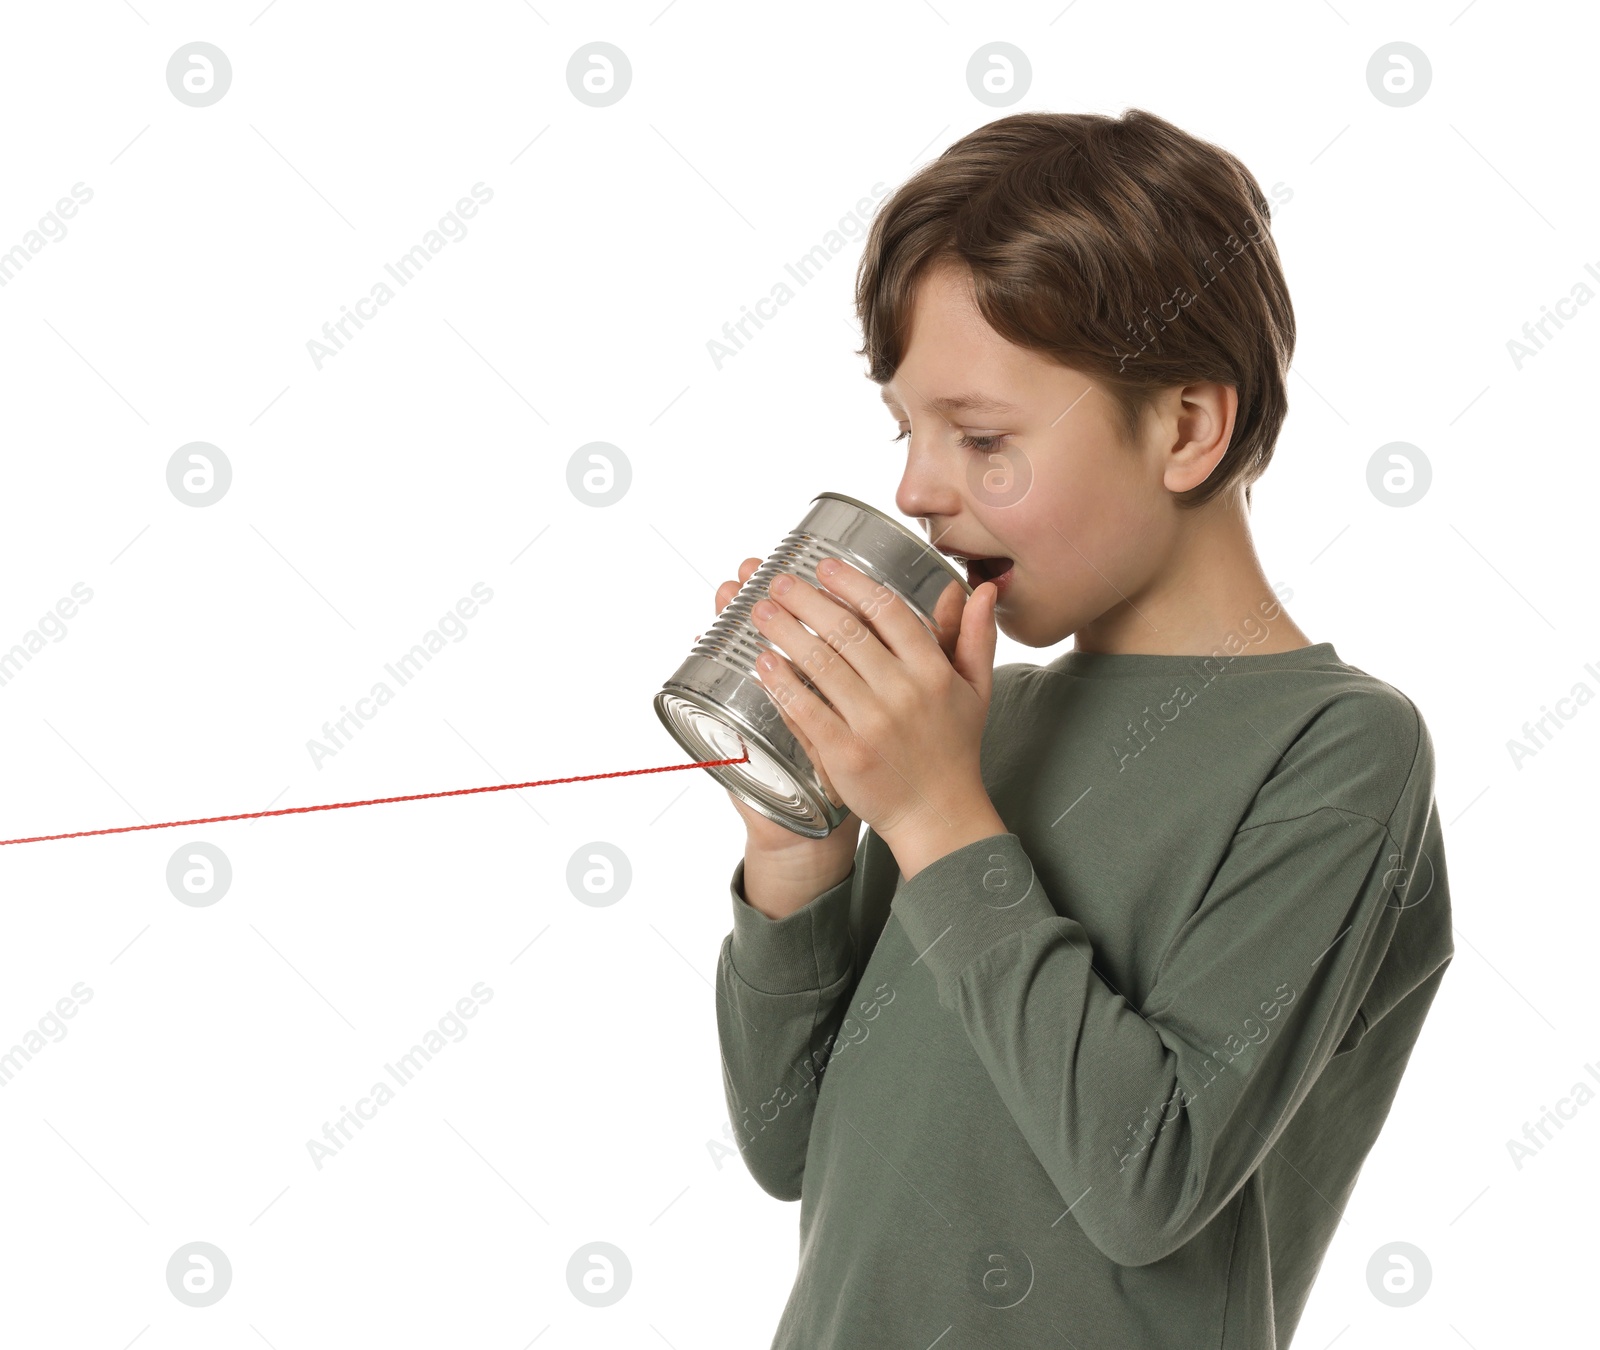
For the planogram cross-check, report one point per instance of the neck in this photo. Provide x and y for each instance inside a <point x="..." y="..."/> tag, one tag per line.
<point x="1209" y="585"/>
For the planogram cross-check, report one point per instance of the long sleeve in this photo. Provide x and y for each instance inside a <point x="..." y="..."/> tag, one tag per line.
<point x="783" y="989"/>
<point x="1149" y="1119"/>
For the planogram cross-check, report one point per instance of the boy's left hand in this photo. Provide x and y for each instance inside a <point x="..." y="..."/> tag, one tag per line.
<point x="900" y="743"/>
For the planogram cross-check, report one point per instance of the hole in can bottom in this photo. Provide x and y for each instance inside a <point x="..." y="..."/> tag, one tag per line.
<point x="764" y="782"/>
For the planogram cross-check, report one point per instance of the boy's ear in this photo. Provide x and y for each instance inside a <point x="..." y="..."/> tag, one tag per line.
<point x="1206" y="416"/>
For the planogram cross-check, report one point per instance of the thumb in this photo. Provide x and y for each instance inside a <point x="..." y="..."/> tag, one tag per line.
<point x="975" y="645"/>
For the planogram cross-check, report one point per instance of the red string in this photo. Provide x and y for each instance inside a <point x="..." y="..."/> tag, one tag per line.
<point x="379" y="801"/>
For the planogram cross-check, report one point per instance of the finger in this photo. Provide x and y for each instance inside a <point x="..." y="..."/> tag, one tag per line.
<point x="974" y="659"/>
<point x="729" y="589"/>
<point x="947" y="618"/>
<point x="832" y="648"/>
<point x="747" y="570"/>
<point x="897" y="627"/>
<point x="804" y="742"/>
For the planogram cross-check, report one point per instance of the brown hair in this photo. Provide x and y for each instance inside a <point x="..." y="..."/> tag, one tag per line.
<point x="1123" y="247"/>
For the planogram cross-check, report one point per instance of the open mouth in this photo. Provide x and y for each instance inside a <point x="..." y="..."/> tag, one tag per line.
<point x="980" y="570"/>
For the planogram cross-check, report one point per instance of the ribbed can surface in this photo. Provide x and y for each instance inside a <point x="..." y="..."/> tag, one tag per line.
<point x="714" y="705"/>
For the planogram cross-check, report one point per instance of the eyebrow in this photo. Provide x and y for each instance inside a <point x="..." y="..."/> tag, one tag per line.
<point x="960" y="403"/>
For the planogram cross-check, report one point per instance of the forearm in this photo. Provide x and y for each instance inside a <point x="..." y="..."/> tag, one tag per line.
<point x="927" y="839"/>
<point x="783" y="987"/>
<point x="777" y="884"/>
<point x="775" y="1051"/>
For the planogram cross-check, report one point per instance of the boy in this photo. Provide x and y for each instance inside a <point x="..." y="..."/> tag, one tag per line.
<point x="1085" y="1044"/>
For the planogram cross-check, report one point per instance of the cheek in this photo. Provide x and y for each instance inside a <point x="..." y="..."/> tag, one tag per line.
<point x="1080" y="533"/>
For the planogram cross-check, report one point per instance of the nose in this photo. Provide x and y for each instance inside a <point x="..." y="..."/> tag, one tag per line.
<point x="926" y="488"/>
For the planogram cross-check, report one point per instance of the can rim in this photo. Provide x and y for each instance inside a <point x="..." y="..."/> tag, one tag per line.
<point x="944" y="562"/>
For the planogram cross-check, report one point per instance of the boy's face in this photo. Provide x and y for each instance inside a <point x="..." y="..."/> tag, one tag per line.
<point x="1086" y="518"/>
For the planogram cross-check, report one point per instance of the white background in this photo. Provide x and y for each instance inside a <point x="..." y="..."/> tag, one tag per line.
<point x="585" y="1102"/>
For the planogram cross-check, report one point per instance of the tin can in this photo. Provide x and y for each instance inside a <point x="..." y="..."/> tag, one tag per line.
<point x="715" y="706"/>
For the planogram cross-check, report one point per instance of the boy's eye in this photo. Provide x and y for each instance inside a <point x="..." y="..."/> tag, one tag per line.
<point x="983" y="444"/>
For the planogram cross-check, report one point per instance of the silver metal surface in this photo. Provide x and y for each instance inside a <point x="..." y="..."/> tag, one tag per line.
<point x="714" y="705"/>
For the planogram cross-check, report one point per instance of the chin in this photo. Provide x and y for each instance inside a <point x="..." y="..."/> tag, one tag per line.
<point x="1020" y="628"/>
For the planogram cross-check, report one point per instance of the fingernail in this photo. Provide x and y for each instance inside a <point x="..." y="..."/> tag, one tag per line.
<point x="780" y="584"/>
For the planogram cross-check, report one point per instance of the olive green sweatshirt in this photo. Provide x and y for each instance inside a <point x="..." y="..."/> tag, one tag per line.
<point x="1105" y="1080"/>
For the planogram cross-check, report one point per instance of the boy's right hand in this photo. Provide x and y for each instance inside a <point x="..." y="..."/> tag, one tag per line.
<point x="824" y="857"/>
